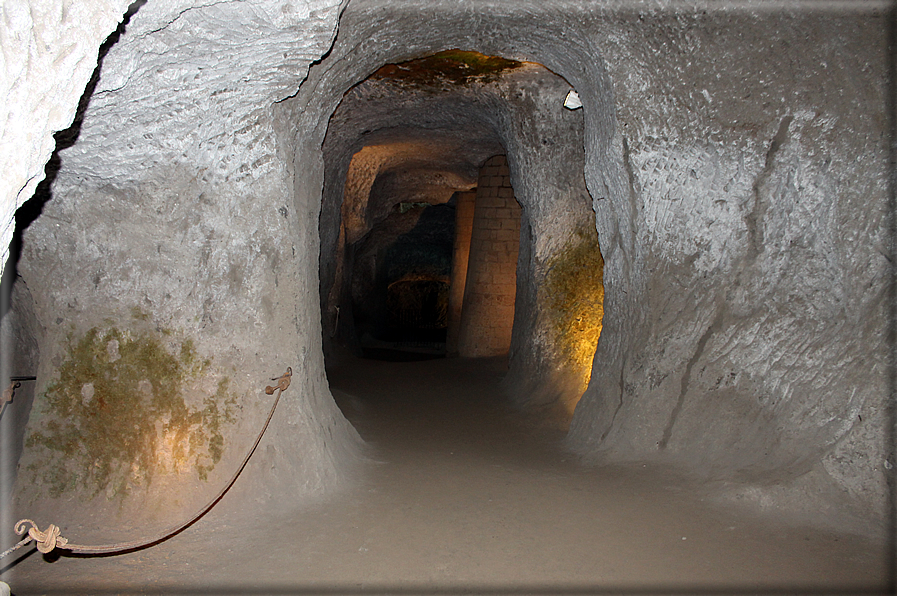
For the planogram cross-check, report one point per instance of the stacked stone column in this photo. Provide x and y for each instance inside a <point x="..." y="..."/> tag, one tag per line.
<point x="487" y="314"/>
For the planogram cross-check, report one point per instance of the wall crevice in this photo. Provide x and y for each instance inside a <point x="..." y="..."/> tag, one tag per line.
<point x="753" y="218"/>
<point x="712" y="330"/>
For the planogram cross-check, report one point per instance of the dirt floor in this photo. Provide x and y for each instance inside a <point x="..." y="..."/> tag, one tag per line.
<point x="463" y="495"/>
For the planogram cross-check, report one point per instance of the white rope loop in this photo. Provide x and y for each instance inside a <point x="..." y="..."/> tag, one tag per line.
<point x="47" y="540"/>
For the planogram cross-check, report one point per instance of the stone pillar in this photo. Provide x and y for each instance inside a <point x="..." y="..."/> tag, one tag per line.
<point x="464" y="208"/>
<point x="488" y="309"/>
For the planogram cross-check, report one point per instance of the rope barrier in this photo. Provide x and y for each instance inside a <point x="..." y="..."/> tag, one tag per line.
<point x="50" y="539"/>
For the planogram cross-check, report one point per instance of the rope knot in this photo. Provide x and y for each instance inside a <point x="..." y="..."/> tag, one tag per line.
<point x="47" y="540"/>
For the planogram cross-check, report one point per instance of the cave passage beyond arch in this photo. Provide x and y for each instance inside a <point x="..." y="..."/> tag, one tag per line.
<point x="422" y="164"/>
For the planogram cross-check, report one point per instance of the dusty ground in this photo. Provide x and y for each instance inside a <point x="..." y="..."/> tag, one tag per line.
<point x="462" y="495"/>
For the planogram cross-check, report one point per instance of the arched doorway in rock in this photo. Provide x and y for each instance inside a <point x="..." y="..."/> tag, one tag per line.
<point x="460" y="132"/>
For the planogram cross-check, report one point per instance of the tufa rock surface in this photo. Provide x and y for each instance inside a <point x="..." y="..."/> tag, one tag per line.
<point x="740" y="204"/>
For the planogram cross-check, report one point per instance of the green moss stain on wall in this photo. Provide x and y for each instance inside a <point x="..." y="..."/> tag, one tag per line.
<point x="575" y="300"/>
<point x="116" y="415"/>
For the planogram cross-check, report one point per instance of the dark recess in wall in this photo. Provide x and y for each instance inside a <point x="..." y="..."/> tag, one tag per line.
<point x="410" y="285"/>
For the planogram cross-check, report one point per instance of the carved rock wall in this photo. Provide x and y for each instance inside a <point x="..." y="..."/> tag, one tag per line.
<point x="173" y="225"/>
<point x="756" y="200"/>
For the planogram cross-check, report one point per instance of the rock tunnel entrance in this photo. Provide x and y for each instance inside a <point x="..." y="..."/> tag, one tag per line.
<point x="427" y="247"/>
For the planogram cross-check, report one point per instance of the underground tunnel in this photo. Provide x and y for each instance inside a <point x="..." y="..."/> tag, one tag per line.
<point x="420" y="216"/>
<point x="688" y="273"/>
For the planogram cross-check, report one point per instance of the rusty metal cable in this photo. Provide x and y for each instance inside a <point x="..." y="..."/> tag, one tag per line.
<point x="50" y="539"/>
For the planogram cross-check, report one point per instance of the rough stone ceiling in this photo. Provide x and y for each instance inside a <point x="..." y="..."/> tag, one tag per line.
<point x="417" y="135"/>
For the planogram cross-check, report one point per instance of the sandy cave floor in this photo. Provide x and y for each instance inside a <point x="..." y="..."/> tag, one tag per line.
<point x="463" y="495"/>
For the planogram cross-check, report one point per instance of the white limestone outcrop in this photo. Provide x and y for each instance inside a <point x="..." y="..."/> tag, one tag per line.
<point x="48" y="50"/>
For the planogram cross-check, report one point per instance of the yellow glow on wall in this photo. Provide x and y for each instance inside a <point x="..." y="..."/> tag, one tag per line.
<point x="575" y="299"/>
<point x="173" y="447"/>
